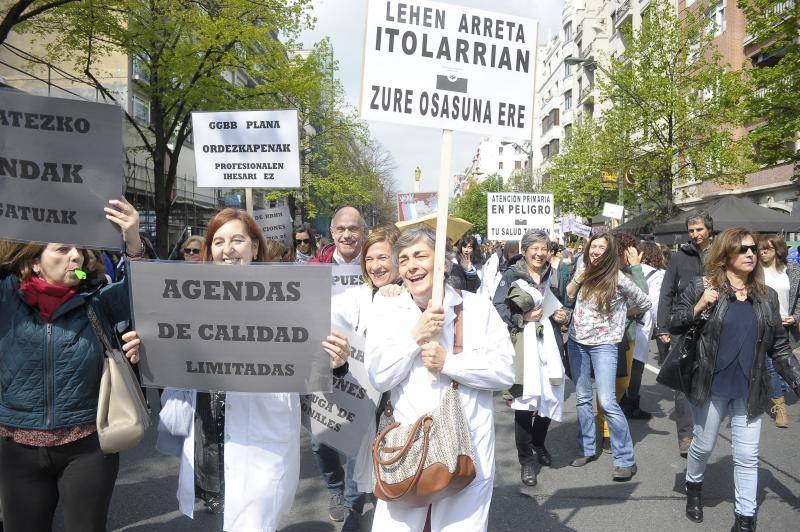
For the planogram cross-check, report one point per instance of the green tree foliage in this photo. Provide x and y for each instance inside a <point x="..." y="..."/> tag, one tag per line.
<point x="775" y="101"/>
<point x="674" y="111"/>
<point x="576" y="171"/>
<point x="190" y="53"/>
<point x="14" y="13"/>
<point x="472" y="205"/>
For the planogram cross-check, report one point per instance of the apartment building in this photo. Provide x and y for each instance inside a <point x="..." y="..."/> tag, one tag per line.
<point x="23" y="67"/>
<point x="769" y="187"/>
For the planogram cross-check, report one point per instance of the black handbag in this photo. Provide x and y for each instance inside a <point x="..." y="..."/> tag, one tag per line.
<point x="676" y="371"/>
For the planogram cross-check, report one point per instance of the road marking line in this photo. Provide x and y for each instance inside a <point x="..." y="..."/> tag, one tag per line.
<point x="652" y="369"/>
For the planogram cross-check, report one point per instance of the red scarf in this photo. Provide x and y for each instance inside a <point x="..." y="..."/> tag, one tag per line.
<point x="45" y="297"/>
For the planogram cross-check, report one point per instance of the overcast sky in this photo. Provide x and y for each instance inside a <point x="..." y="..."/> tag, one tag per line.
<point x="343" y="21"/>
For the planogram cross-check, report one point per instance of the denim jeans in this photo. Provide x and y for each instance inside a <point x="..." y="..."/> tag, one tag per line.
<point x="745" y="436"/>
<point x="337" y="479"/>
<point x="603" y="358"/>
<point x="777" y="383"/>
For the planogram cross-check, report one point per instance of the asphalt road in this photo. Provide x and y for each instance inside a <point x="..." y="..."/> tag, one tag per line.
<point x="565" y="499"/>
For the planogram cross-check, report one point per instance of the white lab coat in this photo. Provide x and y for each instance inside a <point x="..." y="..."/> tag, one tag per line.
<point x="262" y="460"/>
<point x="490" y="278"/>
<point x="485" y="365"/>
<point x="543" y="375"/>
<point x="351" y="310"/>
<point x="644" y="330"/>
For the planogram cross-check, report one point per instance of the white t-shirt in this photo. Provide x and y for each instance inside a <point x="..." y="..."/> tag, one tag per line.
<point x="779" y="281"/>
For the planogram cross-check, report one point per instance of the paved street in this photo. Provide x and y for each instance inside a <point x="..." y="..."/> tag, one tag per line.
<point x="566" y="498"/>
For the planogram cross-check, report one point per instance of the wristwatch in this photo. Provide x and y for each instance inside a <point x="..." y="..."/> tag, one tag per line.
<point x="137" y="255"/>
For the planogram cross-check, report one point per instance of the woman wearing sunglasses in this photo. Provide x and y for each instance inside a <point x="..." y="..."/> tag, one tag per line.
<point x="305" y="244"/>
<point x="191" y="248"/>
<point x="742" y="326"/>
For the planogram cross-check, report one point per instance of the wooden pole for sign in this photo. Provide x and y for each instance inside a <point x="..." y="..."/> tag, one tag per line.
<point x="443" y="204"/>
<point x="248" y="200"/>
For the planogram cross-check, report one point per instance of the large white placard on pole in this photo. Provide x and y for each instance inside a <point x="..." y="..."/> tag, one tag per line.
<point x="450" y="67"/>
<point x="511" y="215"/>
<point x="251" y="149"/>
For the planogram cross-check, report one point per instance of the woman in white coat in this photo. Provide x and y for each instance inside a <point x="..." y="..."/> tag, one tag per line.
<point x="402" y="354"/>
<point x="255" y="437"/>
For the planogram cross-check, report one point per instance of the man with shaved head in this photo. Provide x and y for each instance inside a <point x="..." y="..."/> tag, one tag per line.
<point x="349" y="231"/>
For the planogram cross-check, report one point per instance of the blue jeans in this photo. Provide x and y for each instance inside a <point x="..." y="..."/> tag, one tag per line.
<point x="777" y="383"/>
<point x="338" y="480"/>
<point x="603" y="358"/>
<point x="745" y="436"/>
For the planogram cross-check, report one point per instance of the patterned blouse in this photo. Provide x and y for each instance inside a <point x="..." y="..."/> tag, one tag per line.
<point x="589" y="326"/>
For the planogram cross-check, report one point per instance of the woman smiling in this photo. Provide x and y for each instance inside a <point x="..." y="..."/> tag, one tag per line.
<point x="409" y="339"/>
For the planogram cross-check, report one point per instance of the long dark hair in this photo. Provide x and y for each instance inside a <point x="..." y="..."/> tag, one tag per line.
<point x="476" y="257"/>
<point x="600" y="280"/>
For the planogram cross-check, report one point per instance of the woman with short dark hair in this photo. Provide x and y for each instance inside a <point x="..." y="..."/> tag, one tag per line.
<point x="464" y="274"/>
<point x="740" y="319"/>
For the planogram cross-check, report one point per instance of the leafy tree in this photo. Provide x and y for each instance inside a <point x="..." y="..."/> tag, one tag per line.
<point x="675" y="110"/>
<point x="24" y="10"/>
<point x="775" y="101"/>
<point x="472" y="205"/>
<point x="576" y="172"/>
<point x="189" y="52"/>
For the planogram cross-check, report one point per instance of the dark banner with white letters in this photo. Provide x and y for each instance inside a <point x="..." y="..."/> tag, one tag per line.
<point x="257" y="328"/>
<point x="60" y="163"/>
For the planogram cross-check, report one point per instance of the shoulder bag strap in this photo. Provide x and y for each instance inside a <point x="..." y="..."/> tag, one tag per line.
<point x="98" y="329"/>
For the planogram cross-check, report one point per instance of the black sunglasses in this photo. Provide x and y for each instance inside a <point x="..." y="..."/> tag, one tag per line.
<point x="302" y="240"/>
<point x="743" y="249"/>
<point x="191" y="251"/>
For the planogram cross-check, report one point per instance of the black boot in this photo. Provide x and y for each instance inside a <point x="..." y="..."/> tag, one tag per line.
<point x="528" y="475"/>
<point x="694" y="501"/>
<point x="743" y="523"/>
<point x="632" y="410"/>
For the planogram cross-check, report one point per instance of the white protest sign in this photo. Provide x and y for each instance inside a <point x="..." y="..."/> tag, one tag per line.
<point x="449" y="67"/>
<point x="245" y="329"/>
<point x="511" y="215"/>
<point x="60" y="163"/>
<point x="275" y="223"/>
<point x="345" y="276"/>
<point x="251" y="149"/>
<point x="612" y="210"/>
<point x="342" y="417"/>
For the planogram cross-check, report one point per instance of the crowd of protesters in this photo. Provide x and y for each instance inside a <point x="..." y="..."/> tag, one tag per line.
<point x="519" y="319"/>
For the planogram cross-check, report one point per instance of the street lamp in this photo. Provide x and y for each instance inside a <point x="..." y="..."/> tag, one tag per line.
<point x="588" y="63"/>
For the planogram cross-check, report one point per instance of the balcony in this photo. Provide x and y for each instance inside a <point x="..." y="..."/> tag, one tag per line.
<point x="586" y="93"/>
<point x="622" y="14"/>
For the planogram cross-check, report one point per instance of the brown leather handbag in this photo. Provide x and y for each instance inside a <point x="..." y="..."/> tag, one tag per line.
<point x="432" y="459"/>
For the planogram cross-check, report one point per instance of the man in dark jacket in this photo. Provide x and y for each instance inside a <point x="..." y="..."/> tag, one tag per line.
<point x="685" y="264"/>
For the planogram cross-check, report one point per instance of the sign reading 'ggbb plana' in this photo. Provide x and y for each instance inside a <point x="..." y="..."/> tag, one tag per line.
<point x="252" y="149"/>
<point x="450" y="67"/>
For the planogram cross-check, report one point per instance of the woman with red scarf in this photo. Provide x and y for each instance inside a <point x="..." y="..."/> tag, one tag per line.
<point x="50" y="368"/>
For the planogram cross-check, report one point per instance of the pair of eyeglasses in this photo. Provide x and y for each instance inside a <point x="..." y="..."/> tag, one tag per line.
<point x="303" y="240"/>
<point x="191" y="251"/>
<point x="743" y="249"/>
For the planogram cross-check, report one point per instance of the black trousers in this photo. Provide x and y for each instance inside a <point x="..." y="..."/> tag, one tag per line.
<point x="530" y="430"/>
<point x="34" y="479"/>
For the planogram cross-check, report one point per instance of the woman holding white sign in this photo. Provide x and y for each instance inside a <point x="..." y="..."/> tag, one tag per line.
<point x="402" y="354"/>
<point x="352" y="311"/>
<point x="50" y="378"/>
<point x="240" y="451"/>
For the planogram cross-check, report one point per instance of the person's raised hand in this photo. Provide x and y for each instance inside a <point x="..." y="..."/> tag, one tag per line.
<point x="429" y="325"/>
<point x="337" y="346"/>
